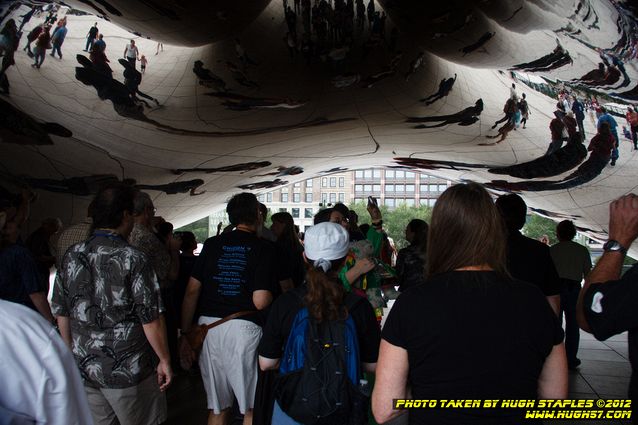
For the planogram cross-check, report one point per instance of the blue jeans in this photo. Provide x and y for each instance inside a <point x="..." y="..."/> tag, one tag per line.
<point x="56" y="47"/>
<point x="89" y="44"/>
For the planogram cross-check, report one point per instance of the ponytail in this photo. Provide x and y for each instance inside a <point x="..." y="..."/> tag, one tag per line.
<point x="324" y="299"/>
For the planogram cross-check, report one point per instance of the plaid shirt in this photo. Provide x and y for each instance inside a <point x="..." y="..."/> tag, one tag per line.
<point x="70" y="236"/>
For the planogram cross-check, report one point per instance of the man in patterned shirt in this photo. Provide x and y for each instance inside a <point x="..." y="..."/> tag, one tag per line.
<point x="164" y="258"/>
<point x="107" y="299"/>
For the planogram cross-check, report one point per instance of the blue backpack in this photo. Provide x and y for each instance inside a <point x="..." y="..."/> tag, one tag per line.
<point x="320" y="372"/>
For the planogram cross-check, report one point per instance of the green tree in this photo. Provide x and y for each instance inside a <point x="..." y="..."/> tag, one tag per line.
<point x="536" y="227"/>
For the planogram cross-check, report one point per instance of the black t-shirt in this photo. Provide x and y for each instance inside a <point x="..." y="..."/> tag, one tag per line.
<point x="472" y="335"/>
<point x="186" y="264"/>
<point x="231" y="267"/>
<point x="286" y="307"/>
<point x="530" y="261"/>
<point x="290" y="264"/>
<point x="611" y="308"/>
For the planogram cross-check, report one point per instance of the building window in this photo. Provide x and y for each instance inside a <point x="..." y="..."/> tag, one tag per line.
<point x="399" y="188"/>
<point x="284" y="197"/>
<point x="342" y="182"/>
<point x="423" y="202"/>
<point x="298" y="184"/>
<point x="309" y="183"/>
<point x="431" y="202"/>
<point x="409" y="188"/>
<point x="389" y="202"/>
<point x="358" y="174"/>
<point x="295" y="213"/>
<point x="409" y="202"/>
<point x="376" y="174"/>
<point x="442" y="188"/>
<point x="389" y="187"/>
<point x="283" y="210"/>
<point x="367" y="188"/>
<point x="389" y="174"/>
<point x="284" y="189"/>
<point x="376" y="188"/>
<point x="367" y="174"/>
<point x="409" y="175"/>
<point x="400" y="174"/>
<point x="309" y="197"/>
<point x="358" y="187"/>
<point x="260" y="198"/>
<point x="333" y="197"/>
<point x="324" y="182"/>
<point x="308" y="213"/>
<point x="400" y="201"/>
<point x="342" y="197"/>
<point x="324" y="198"/>
<point x="333" y="182"/>
<point x="433" y="187"/>
<point x="269" y="197"/>
<point x="424" y="176"/>
<point x="296" y="197"/>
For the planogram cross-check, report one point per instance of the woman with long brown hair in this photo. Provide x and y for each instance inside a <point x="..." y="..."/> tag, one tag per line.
<point x="326" y="302"/>
<point x="470" y="331"/>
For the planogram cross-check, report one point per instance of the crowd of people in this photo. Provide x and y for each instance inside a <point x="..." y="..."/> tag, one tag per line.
<point x="49" y="35"/>
<point x="268" y="318"/>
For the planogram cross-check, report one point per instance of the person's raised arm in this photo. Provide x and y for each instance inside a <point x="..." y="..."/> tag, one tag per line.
<point x="623" y="228"/>
<point x="391" y="381"/>
<point x="552" y="382"/>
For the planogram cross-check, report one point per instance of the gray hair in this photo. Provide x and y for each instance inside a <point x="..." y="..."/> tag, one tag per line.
<point x="141" y="203"/>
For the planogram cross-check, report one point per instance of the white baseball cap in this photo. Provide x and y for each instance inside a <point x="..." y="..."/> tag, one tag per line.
<point x="326" y="241"/>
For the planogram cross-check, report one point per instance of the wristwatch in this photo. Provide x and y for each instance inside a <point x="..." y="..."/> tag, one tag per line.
<point x="614" y="246"/>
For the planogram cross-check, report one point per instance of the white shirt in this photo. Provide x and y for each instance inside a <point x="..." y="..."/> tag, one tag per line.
<point x="40" y="382"/>
<point x="131" y="52"/>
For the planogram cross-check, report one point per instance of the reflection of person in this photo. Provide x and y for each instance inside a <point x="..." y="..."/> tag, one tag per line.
<point x="90" y="38"/>
<point x="445" y="87"/>
<point x="41" y="381"/>
<point x="467" y="116"/>
<point x="607" y="303"/>
<point x="131" y="53"/>
<point x="468" y="293"/>
<point x="572" y="262"/>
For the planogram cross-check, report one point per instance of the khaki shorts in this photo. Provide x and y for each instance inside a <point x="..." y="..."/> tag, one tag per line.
<point x="228" y="363"/>
<point x="142" y="404"/>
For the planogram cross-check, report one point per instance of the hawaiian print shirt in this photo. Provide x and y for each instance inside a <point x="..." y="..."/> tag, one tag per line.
<point x="108" y="290"/>
<point x="156" y="251"/>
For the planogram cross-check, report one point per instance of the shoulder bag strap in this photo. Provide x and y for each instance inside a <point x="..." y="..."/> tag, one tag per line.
<point x="230" y="317"/>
